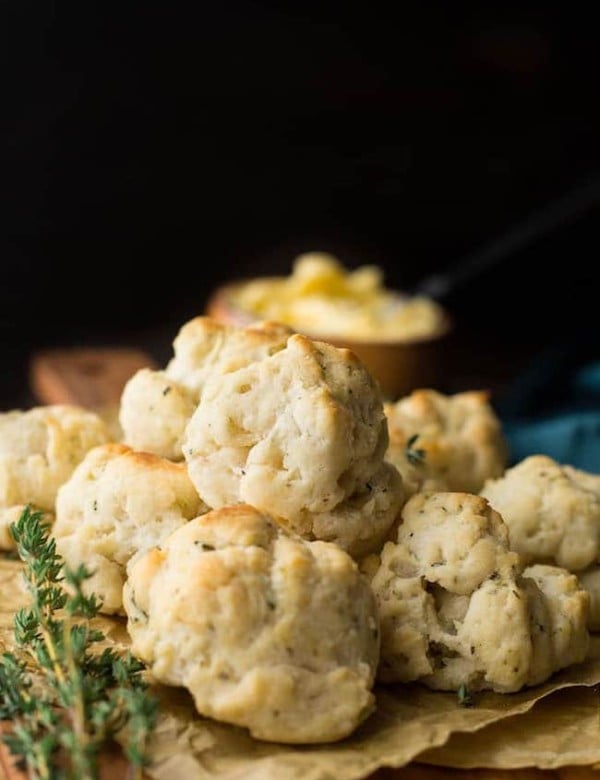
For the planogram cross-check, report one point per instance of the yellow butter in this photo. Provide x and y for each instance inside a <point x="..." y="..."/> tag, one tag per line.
<point x="321" y="297"/>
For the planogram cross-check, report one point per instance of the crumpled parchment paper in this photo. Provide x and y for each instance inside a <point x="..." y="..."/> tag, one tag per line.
<point x="563" y="729"/>
<point x="410" y="722"/>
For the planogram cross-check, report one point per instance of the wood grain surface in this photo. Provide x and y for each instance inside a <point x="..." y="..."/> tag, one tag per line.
<point x="95" y="379"/>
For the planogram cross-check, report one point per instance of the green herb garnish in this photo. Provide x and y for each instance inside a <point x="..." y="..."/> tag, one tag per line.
<point x="415" y="456"/>
<point x="63" y="700"/>
<point x="465" y="697"/>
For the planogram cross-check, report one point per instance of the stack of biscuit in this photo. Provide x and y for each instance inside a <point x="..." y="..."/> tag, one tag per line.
<point x="278" y="539"/>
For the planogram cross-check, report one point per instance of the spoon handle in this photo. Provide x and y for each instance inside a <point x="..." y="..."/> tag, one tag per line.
<point x="540" y="222"/>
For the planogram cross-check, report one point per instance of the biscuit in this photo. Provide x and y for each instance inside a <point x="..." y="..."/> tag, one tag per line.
<point x="117" y="503"/>
<point x="157" y="405"/>
<point x="441" y="442"/>
<point x="39" y="449"/>
<point x="204" y="347"/>
<point x="552" y="512"/>
<point x="301" y="435"/>
<point x="154" y="413"/>
<point x="559" y="612"/>
<point x="590" y="581"/>
<point x="455" y="609"/>
<point x="266" y="630"/>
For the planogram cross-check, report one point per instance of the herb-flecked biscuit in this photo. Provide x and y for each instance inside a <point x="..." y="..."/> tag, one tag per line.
<point x="39" y="449"/>
<point x="301" y="435"/>
<point x="154" y="413"/>
<point x="204" y="347"/>
<point x="552" y="512"/>
<point x="265" y="629"/>
<point x="118" y="502"/>
<point x="157" y="405"/>
<point x="456" y="611"/>
<point x="441" y="442"/>
<point x="590" y="581"/>
<point x="558" y="615"/>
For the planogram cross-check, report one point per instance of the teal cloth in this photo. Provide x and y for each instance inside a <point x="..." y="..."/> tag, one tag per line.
<point x="568" y="438"/>
<point x="570" y="432"/>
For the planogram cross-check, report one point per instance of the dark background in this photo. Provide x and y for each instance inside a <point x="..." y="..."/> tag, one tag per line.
<point x="150" y="153"/>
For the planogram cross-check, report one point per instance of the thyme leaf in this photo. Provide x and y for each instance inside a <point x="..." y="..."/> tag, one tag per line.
<point x="415" y="456"/>
<point x="465" y="697"/>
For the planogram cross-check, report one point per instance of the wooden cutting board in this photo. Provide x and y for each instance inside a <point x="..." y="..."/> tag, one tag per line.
<point x="95" y="378"/>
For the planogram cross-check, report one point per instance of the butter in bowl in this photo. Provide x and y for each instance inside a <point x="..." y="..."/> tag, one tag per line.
<point x="397" y="336"/>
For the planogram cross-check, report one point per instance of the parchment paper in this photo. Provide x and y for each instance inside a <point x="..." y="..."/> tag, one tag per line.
<point x="409" y="722"/>
<point x="563" y="729"/>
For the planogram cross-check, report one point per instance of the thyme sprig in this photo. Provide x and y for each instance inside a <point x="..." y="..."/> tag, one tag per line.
<point x="64" y="700"/>
<point x="414" y="455"/>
